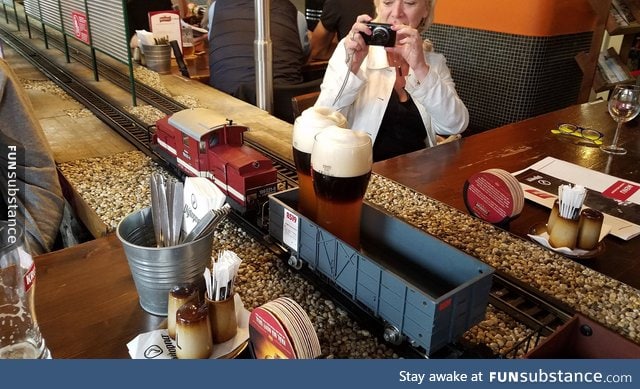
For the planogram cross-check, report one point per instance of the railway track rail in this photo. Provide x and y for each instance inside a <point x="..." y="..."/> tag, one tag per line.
<point x="538" y="312"/>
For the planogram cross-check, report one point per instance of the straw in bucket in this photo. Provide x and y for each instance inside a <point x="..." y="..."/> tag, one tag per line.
<point x="156" y="270"/>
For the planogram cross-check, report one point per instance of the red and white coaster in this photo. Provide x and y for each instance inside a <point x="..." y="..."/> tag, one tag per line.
<point x="282" y="329"/>
<point x="494" y="195"/>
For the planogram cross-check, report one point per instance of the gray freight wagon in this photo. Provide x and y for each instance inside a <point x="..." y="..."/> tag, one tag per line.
<point x="425" y="290"/>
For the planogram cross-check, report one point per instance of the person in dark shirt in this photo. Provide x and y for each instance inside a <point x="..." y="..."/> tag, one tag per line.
<point x="312" y="11"/>
<point x="231" y="45"/>
<point x="335" y="22"/>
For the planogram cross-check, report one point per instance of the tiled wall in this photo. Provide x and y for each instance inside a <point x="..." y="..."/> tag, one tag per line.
<point x="504" y="78"/>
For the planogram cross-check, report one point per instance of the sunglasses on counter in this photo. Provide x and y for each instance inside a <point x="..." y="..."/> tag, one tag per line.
<point x="589" y="134"/>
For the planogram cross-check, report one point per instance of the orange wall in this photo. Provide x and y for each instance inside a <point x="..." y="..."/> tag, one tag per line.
<point x="520" y="17"/>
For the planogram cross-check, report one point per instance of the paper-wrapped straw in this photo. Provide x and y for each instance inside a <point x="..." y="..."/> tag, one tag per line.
<point x="570" y="200"/>
<point x="220" y="279"/>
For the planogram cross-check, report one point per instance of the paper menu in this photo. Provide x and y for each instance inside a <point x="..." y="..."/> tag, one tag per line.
<point x="166" y="24"/>
<point x="617" y="198"/>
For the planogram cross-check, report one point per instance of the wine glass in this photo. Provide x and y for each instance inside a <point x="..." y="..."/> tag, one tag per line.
<point x="624" y="105"/>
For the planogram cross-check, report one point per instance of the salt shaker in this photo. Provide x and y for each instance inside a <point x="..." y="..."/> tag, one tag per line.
<point x="178" y="296"/>
<point x="20" y="336"/>
<point x="589" y="229"/>
<point x="193" y="332"/>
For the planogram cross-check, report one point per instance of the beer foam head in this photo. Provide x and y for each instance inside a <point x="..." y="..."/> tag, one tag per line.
<point x="310" y="122"/>
<point x="340" y="152"/>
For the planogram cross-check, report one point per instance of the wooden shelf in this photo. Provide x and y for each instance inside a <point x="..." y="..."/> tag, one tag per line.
<point x="588" y="60"/>
<point x="623" y="19"/>
<point x="601" y="83"/>
<point x="613" y="28"/>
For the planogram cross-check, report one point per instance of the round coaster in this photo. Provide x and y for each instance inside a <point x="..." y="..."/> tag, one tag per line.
<point x="269" y="339"/>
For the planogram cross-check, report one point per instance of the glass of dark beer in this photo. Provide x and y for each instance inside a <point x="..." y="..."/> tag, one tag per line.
<point x="305" y="128"/>
<point x="341" y="162"/>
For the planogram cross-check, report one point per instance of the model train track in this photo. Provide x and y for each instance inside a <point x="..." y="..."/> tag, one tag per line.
<point x="104" y="108"/>
<point x="525" y="305"/>
<point x="538" y="312"/>
<point x="133" y="130"/>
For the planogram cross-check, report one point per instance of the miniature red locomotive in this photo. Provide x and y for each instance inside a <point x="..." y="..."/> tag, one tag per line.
<point x="200" y="142"/>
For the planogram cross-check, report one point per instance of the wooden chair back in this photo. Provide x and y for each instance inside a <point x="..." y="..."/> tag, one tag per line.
<point x="302" y="102"/>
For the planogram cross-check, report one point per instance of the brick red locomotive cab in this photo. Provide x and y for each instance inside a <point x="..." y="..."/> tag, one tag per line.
<point x="202" y="143"/>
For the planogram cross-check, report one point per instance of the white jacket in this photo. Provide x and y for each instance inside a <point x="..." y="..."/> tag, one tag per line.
<point x="366" y="95"/>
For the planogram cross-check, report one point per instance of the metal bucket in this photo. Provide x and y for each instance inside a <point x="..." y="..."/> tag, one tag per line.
<point x="156" y="270"/>
<point x="158" y="58"/>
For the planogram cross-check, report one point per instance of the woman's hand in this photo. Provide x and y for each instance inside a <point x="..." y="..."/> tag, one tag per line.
<point x="409" y="47"/>
<point x="357" y="50"/>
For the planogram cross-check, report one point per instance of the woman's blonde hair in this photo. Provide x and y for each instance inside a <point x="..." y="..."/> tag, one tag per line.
<point x="431" y="4"/>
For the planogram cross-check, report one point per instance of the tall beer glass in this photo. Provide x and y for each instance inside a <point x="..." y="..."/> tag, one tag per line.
<point x="305" y="128"/>
<point x="341" y="162"/>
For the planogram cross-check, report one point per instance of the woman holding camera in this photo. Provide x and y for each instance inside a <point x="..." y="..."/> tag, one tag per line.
<point x="388" y="82"/>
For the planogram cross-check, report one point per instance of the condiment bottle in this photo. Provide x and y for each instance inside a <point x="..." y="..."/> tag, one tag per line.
<point x="564" y="233"/>
<point x="193" y="332"/>
<point x="553" y="216"/>
<point x="178" y="296"/>
<point x="589" y="229"/>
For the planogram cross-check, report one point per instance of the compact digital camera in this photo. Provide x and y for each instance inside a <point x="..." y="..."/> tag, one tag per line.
<point x="381" y="35"/>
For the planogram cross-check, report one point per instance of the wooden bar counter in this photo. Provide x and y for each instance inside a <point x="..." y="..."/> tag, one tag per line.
<point x="440" y="172"/>
<point x="86" y="301"/>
